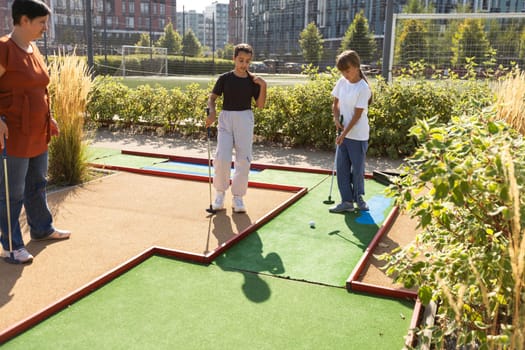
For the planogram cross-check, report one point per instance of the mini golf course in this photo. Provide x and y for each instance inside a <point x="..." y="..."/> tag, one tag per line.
<point x="266" y="279"/>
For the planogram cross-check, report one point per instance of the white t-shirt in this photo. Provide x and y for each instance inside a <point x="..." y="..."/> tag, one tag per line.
<point x="352" y="96"/>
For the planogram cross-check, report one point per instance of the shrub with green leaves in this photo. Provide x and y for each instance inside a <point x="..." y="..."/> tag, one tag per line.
<point x="108" y="98"/>
<point x="299" y="115"/>
<point x="458" y="187"/>
<point x="397" y="105"/>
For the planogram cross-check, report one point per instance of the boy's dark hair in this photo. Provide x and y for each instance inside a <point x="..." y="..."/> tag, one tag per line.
<point x="30" y="8"/>
<point x="242" y="48"/>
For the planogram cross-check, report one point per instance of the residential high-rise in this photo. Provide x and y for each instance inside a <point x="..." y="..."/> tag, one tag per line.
<point x="216" y="26"/>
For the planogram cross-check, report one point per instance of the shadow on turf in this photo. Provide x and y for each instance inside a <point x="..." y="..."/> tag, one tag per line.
<point x="254" y="287"/>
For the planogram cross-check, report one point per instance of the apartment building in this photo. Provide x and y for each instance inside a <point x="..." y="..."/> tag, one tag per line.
<point x="187" y="20"/>
<point x="215" y="26"/>
<point x="119" y="21"/>
<point x="273" y="27"/>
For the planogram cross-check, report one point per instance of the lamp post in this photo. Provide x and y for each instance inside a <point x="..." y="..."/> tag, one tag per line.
<point x="89" y="34"/>
<point x="150" y="31"/>
<point x="213" y="41"/>
<point x="387" y="40"/>
<point x="183" y="48"/>
<point x="105" y="35"/>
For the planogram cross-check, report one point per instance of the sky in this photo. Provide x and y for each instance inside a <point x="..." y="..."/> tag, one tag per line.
<point x="197" y="5"/>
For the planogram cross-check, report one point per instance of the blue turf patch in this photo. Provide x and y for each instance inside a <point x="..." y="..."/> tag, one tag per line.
<point x="186" y="168"/>
<point x="379" y="206"/>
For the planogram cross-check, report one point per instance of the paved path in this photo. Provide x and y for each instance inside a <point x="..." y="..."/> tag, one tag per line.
<point x="300" y="157"/>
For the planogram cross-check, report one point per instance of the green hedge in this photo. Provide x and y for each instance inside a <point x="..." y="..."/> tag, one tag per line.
<point x="299" y="115"/>
<point x="177" y="65"/>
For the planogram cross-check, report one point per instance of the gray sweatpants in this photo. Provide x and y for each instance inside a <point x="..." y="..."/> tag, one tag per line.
<point x="235" y="131"/>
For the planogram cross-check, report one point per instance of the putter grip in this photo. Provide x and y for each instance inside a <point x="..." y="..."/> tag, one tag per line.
<point x="4" y="150"/>
<point x="207" y="114"/>
<point x="341" y="118"/>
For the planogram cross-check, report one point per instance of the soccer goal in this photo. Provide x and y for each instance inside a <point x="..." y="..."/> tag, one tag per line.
<point x="452" y="43"/>
<point x="144" y="60"/>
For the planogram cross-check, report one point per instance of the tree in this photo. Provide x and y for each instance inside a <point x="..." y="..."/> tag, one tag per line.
<point x="412" y="45"/>
<point x="191" y="45"/>
<point x="359" y="38"/>
<point x="415" y="6"/>
<point x="505" y="38"/>
<point x="311" y="43"/>
<point x="170" y="40"/>
<point x="227" y="52"/>
<point x="143" y="40"/>
<point x="522" y="45"/>
<point x="470" y="41"/>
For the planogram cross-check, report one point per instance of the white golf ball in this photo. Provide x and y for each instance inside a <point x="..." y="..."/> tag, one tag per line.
<point x="312" y="223"/>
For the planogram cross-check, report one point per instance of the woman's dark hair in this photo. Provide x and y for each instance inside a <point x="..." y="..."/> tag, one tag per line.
<point x="30" y="8"/>
<point x="350" y="58"/>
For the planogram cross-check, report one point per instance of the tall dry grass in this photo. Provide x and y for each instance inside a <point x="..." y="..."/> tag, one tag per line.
<point x="510" y="100"/>
<point x="69" y="87"/>
<point x="510" y="106"/>
<point x="516" y="251"/>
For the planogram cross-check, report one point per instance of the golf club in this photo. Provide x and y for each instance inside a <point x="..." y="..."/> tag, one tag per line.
<point x="329" y="200"/>
<point x="11" y="258"/>
<point x="210" y="209"/>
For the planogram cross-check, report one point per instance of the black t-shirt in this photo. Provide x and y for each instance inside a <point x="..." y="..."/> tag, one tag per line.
<point x="238" y="92"/>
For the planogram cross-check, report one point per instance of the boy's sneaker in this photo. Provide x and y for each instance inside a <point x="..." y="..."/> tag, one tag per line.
<point x="238" y="205"/>
<point x="342" y="207"/>
<point x="361" y="204"/>
<point x="20" y="255"/>
<point x="218" y="204"/>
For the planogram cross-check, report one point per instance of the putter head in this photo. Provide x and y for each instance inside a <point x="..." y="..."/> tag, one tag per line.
<point x="211" y="210"/>
<point x="328" y="201"/>
<point x="10" y="260"/>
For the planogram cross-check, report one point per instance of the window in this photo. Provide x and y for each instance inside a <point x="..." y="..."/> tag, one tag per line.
<point x="144" y="8"/>
<point x="77" y="5"/>
<point x="130" y="22"/>
<point x="321" y="16"/>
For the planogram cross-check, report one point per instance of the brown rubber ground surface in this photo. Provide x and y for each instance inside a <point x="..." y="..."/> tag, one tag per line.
<point x="114" y="219"/>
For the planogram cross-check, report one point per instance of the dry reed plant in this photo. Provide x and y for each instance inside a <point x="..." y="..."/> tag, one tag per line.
<point x="510" y="100"/>
<point x="516" y="251"/>
<point x="69" y="87"/>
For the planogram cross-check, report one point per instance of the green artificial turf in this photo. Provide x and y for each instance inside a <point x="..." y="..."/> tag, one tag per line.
<point x="327" y="253"/>
<point x="169" y="304"/>
<point x="290" y="178"/>
<point x="129" y="161"/>
<point x="94" y="154"/>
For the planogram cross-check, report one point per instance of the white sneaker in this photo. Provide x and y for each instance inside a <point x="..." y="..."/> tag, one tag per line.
<point x="238" y="205"/>
<point x="20" y="255"/>
<point x="218" y="204"/>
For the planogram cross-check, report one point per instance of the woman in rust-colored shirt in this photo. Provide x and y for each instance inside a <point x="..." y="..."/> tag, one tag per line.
<point x="25" y="130"/>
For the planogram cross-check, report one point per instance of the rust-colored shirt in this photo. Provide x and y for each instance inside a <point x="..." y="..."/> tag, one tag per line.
<point x="24" y="100"/>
